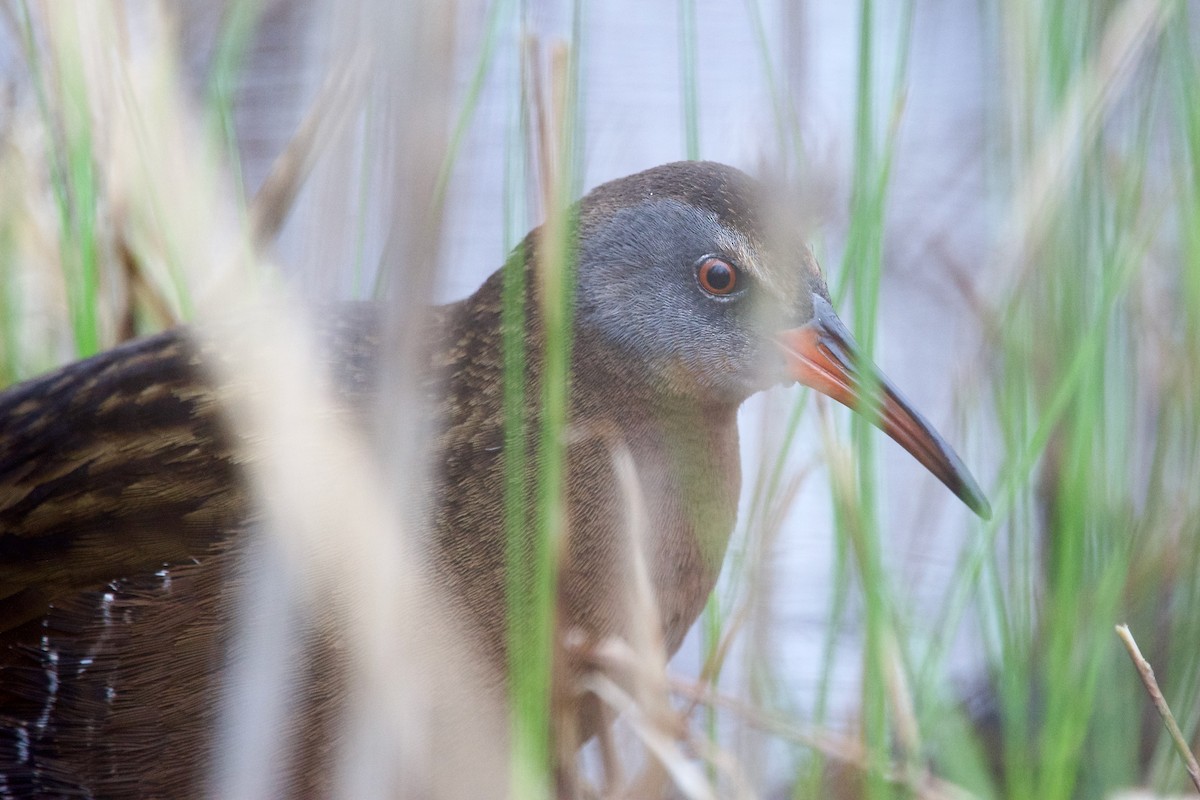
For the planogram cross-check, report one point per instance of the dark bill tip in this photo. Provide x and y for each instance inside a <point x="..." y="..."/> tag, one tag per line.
<point x="822" y="355"/>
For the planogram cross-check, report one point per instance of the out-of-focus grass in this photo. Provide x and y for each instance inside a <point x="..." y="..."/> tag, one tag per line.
<point x="1090" y="299"/>
<point x="1091" y="305"/>
<point x="1078" y="386"/>
<point x="530" y="723"/>
<point x="856" y="511"/>
<point x="64" y="105"/>
<point x="1088" y="378"/>
<point x="535" y="545"/>
<point x="688" y="83"/>
<point x="240" y="23"/>
<point x="103" y="293"/>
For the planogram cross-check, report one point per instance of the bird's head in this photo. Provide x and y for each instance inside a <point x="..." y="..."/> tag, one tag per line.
<point x="689" y="286"/>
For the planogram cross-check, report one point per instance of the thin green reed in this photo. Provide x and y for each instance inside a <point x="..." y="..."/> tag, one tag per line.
<point x="1177" y="455"/>
<point x="528" y="688"/>
<point x="529" y="714"/>
<point x="237" y="34"/>
<point x="1079" y="284"/>
<point x="512" y="327"/>
<point x="558" y="288"/>
<point x="787" y="127"/>
<point x="11" y="312"/>
<point x="1066" y="405"/>
<point x="498" y="12"/>
<point x="856" y="513"/>
<point x="688" y="85"/>
<point x="534" y="545"/>
<point x="72" y="176"/>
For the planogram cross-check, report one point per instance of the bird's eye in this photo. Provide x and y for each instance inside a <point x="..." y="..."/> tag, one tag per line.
<point x="717" y="276"/>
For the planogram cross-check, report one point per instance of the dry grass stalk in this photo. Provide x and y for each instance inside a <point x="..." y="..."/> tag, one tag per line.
<point x="1146" y="673"/>
<point x="334" y="549"/>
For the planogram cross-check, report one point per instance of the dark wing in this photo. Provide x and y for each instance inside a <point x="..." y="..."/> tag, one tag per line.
<point x="111" y="466"/>
<point x="122" y="464"/>
<point x="123" y="508"/>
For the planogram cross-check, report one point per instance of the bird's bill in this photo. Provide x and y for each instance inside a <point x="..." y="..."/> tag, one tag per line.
<point x="822" y="355"/>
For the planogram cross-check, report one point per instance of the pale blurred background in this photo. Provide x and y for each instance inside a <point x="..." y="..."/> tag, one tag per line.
<point x="987" y="137"/>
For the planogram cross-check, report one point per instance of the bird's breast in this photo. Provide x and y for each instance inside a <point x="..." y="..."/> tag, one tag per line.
<point x="651" y="506"/>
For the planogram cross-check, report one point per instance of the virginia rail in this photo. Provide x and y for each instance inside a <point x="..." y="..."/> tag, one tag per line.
<point x="118" y="466"/>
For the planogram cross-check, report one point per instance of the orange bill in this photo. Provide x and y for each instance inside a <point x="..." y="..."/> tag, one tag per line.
<point x="822" y="355"/>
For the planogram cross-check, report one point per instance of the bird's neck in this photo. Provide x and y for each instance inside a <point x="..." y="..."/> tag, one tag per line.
<point x="684" y="482"/>
<point x="635" y="453"/>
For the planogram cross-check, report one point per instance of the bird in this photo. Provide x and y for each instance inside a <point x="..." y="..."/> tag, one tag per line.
<point x="123" y="504"/>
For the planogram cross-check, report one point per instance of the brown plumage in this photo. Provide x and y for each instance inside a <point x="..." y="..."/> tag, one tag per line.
<point x="122" y="506"/>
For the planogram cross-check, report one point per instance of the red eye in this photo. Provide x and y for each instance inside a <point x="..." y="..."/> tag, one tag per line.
<point x="717" y="277"/>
